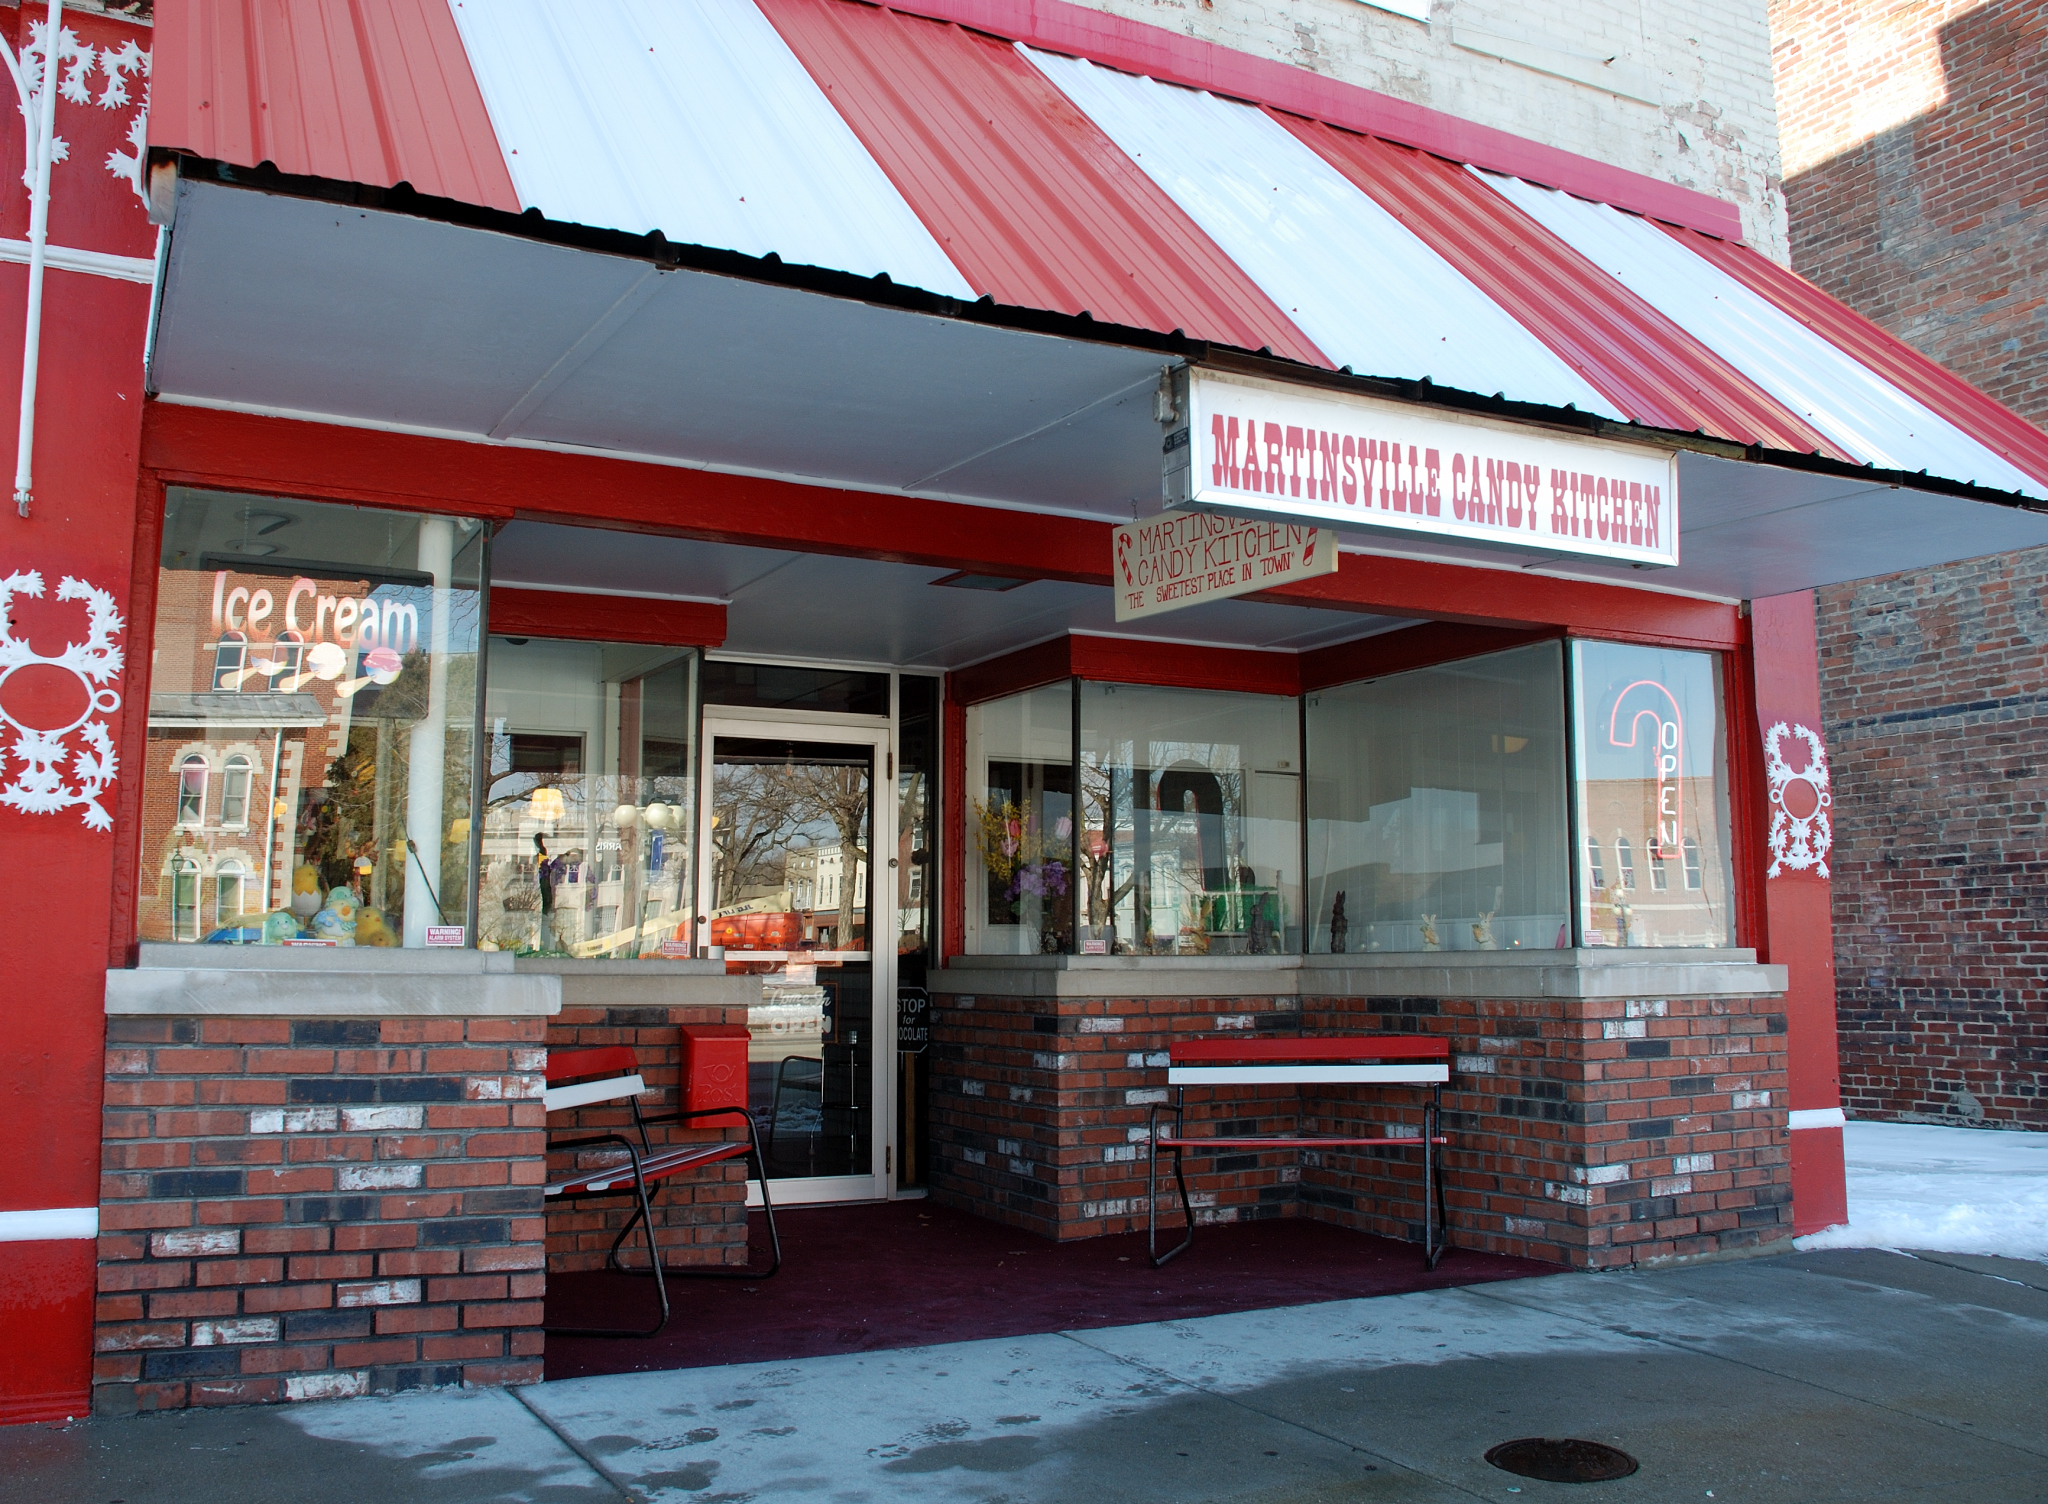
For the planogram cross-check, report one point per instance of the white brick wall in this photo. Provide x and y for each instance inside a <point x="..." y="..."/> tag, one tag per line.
<point x="1707" y="67"/>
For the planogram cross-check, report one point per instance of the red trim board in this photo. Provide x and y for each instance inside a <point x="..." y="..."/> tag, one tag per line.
<point x="517" y="612"/>
<point x="323" y="461"/>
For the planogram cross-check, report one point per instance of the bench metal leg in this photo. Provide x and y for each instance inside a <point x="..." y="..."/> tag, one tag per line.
<point x="1436" y="1222"/>
<point x="1180" y="1175"/>
<point x="643" y="1216"/>
<point x="697" y="1271"/>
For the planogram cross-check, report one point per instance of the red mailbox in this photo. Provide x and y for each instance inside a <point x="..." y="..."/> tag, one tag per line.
<point x="714" y="1066"/>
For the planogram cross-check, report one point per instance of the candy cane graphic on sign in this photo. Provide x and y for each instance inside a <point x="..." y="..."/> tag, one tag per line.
<point x="38" y="788"/>
<point x="1667" y="743"/>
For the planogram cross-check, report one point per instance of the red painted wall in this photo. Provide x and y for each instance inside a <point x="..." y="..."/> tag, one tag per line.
<point x="61" y="877"/>
<point x="1798" y="930"/>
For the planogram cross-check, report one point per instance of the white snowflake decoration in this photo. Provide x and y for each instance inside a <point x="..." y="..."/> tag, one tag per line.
<point x="1798" y="842"/>
<point x="76" y="62"/>
<point x="116" y="65"/>
<point x="39" y="787"/>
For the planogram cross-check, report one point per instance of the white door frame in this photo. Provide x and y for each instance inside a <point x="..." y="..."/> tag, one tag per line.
<point x="879" y="735"/>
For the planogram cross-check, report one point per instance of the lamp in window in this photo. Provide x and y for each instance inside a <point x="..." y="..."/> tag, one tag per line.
<point x="546" y="804"/>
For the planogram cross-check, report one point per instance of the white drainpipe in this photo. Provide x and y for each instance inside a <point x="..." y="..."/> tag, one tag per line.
<point x="38" y="236"/>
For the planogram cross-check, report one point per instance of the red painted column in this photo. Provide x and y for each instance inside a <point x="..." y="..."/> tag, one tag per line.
<point x="55" y="808"/>
<point x="1799" y="930"/>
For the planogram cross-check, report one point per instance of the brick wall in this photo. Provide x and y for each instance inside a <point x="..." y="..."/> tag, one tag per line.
<point x="702" y="1218"/>
<point x="1935" y="697"/>
<point x="1040" y="1109"/>
<point x="1594" y="1134"/>
<point x="1916" y="148"/>
<point x="308" y="1208"/>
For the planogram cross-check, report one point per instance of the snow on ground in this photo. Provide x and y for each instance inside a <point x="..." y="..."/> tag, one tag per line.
<point x="1943" y="1190"/>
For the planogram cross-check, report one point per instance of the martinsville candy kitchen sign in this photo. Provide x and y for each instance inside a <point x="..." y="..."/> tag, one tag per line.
<point x="1257" y="449"/>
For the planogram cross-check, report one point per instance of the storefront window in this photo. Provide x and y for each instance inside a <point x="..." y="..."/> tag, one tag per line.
<point x="1190" y="838"/>
<point x="1020" y="823"/>
<point x="1437" y="808"/>
<point x="1651" y="759"/>
<point x="590" y="808"/>
<point x="323" y="658"/>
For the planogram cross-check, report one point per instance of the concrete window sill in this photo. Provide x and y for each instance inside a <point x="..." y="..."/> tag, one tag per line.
<point x="366" y="982"/>
<point x="1504" y="976"/>
<point x="313" y="982"/>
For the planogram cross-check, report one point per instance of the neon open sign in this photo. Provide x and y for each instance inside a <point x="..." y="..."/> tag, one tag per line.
<point x="1646" y="699"/>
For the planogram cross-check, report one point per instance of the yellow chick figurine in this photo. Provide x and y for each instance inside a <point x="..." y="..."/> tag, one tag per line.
<point x="372" y="929"/>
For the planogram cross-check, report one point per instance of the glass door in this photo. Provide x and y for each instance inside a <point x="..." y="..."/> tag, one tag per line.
<point x="788" y="892"/>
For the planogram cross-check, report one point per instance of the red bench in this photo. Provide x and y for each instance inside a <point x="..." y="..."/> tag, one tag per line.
<point x="611" y="1073"/>
<point x="1371" y="1059"/>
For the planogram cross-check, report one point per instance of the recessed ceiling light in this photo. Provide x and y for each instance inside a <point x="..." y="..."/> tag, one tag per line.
<point x="265" y="521"/>
<point x="990" y="582"/>
<point x="251" y="547"/>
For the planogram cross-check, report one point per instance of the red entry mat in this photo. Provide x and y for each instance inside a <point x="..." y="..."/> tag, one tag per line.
<point x="911" y="1273"/>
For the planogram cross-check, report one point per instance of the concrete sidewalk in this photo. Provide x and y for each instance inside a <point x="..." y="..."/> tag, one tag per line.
<point x="1851" y="1375"/>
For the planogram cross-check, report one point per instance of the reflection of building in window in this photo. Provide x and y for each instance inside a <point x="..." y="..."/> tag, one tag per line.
<point x="1689" y="852"/>
<point x="1595" y="867"/>
<point x="228" y="654"/>
<point x="184" y="898"/>
<point x="234" y="791"/>
<point x="228" y="904"/>
<point x="1660" y="872"/>
<point x="1625" y="859"/>
<point x="915" y="893"/>
<point x="192" y="790"/>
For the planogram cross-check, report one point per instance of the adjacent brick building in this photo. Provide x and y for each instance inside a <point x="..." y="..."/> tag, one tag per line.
<point x="1916" y="157"/>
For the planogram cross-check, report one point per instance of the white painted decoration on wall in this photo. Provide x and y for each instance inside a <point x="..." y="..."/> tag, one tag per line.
<point x="39" y="737"/>
<point x="1800" y="842"/>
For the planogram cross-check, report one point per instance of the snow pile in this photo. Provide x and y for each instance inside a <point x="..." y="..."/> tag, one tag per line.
<point x="1943" y="1190"/>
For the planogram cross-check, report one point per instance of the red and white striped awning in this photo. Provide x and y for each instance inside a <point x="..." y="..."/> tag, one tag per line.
<point x="998" y="160"/>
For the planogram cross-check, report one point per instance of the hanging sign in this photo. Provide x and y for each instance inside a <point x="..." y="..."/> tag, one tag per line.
<point x="1184" y="558"/>
<point x="1250" y="448"/>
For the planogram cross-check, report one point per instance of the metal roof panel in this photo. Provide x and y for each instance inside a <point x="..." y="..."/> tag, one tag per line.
<point x="691" y="117"/>
<point x="378" y="92"/>
<point x="1866" y="415"/>
<point x="1648" y="366"/>
<point x="1370" y="293"/>
<point x="1036" y="205"/>
<point x="1939" y="388"/>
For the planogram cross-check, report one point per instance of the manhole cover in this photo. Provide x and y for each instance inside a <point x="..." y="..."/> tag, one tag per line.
<point x="1561" y="1460"/>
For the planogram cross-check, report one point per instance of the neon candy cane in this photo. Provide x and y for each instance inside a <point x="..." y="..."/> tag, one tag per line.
<point x="1668" y="746"/>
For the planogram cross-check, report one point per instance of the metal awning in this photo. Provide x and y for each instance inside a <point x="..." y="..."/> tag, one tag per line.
<point x="828" y="241"/>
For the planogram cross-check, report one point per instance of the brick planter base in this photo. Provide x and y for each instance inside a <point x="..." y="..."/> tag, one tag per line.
<point x="307" y="1208"/>
<point x="1590" y="1133"/>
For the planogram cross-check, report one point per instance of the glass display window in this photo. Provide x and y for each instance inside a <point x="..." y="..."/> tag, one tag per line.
<point x="1020" y="823"/>
<point x="1437" y="807"/>
<point x="589" y="800"/>
<point x="1651" y="768"/>
<point x="312" y="714"/>
<point x="1190" y="840"/>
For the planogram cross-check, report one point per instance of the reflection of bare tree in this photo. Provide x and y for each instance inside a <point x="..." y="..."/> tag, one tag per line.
<point x="1191" y="803"/>
<point x="755" y="811"/>
<point x="1107" y="812"/>
<point x="840" y="795"/>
